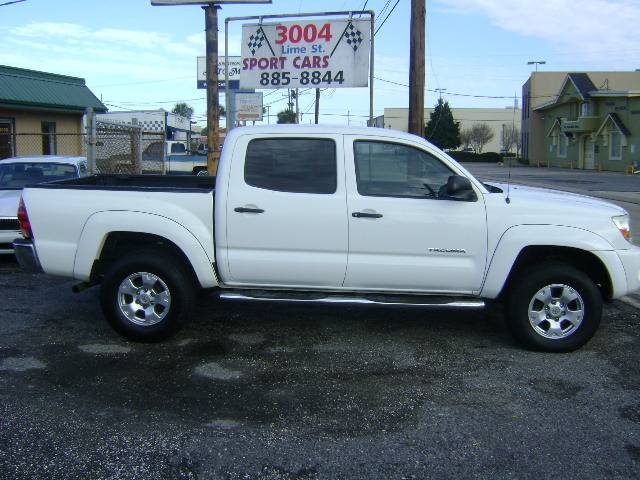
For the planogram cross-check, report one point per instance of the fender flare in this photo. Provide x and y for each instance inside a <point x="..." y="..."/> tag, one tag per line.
<point x="100" y="224"/>
<point x="518" y="237"/>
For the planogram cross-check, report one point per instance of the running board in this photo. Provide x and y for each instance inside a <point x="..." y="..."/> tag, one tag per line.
<point x="383" y="300"/>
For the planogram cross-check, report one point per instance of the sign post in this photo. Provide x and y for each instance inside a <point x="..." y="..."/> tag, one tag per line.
<point x="304" y="53"/>
<point x="213" y="100"/>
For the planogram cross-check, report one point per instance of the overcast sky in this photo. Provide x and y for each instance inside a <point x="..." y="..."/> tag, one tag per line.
<point x="134" y="55"/>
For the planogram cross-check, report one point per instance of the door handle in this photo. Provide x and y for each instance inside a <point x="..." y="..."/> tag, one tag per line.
<point x="248" y="210"/>
<point x="366" y="215"/>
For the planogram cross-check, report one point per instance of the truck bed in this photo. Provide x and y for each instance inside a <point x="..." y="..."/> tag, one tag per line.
<point x="173" y="183"/>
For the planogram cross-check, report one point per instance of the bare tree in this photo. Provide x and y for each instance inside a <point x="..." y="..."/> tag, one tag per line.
<point x="465" y="138"/>
<point x="510" y="138"/>
<point x="481" y="134"/>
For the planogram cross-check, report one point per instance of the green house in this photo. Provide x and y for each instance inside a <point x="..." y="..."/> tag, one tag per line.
<point x="592" y="127"/>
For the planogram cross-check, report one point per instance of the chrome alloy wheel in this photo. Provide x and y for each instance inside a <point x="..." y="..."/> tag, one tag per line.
<point x="144" y="298"/>
<point x="556" y="311"/>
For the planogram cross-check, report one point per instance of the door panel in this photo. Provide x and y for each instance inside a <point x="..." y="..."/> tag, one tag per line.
<point x="416" y="242"/>
<point x="286" y="213"/>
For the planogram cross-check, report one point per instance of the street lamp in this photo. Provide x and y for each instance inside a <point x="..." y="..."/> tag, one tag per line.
<point x="536" y="63"/>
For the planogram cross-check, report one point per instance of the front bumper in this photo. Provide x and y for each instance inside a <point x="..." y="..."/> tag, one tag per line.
<point x="27" y="256"/>
<point x="630" y="260"/>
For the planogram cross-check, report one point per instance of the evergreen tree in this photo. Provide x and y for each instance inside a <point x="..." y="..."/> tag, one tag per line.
<point x="442" y="130"/>
<point x="287" y="116"/>
<point x="183" y="109"/>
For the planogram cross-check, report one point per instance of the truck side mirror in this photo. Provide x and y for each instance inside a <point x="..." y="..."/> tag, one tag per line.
<point x="459" y="188"/>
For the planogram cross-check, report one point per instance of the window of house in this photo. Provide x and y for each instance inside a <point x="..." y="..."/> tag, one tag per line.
<point x="6" y="138"/>
<point x="296" y="165"/>
<point x="574" y="108"/>
<point x="585" y="109"/>
<point x="395" y="170"/>
<point x="563" y="143"/>
<point x="49" y="145"/>
<point x="615" y="145"/>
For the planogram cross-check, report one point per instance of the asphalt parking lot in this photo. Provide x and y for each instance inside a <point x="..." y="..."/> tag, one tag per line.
<point x="296" y="392"/>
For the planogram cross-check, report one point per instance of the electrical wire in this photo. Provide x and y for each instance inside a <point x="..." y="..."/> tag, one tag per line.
<point x="386" y="18"/>
<point x="384" y="8"/>
<point x="12" y="2"/>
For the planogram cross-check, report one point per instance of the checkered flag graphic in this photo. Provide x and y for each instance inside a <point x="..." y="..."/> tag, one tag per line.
<point x="256" y="40"/>
<point x="353" y="36"/>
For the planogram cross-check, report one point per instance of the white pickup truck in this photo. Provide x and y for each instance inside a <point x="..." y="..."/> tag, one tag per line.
<point x="333" y="214"/>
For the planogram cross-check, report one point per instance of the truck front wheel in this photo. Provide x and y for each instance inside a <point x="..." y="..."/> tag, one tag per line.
<point x="553" y="307"/>
<point x="147" y="296"/>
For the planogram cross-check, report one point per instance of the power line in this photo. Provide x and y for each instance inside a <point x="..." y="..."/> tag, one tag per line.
<point x="386" y="18"/>
<point x="448" y="93"/>
<point x="140" y="83"/>
<point x="384" y="8"/>
<point x="10" y="3"/>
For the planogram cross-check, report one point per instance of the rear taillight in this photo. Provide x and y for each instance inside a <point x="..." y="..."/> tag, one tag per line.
<point x="23" y="219"/>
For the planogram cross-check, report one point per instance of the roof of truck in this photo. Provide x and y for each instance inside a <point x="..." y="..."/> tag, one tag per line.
<point x="330" y="129"/>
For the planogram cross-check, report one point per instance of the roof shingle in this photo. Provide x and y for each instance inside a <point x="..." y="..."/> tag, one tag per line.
<point x="583" y="83"/>
<point x="29" y="88"/>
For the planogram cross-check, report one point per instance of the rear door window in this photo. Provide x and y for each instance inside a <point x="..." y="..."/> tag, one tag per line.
<point x="297" y="165"/>
<point x="178" y="148"/>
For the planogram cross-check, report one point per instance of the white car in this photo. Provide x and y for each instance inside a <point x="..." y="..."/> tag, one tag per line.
<point x="339" y="215"/>
<point x="16" y="173"/>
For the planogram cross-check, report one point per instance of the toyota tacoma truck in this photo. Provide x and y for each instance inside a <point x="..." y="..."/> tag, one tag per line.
<point x="339" y="215"/>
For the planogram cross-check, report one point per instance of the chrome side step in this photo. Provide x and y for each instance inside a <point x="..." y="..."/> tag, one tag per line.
<point x="382" y="300"/>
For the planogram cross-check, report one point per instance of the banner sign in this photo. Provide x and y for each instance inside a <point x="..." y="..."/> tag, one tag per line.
<point x="320" y="53"/>
<point x="234" y="72"/>
<point x="248" y="106"/>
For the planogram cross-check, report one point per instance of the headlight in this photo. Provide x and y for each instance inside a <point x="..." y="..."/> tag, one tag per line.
<point x="622" y="223"/>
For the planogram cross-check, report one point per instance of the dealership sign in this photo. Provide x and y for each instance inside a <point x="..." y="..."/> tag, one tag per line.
<point x="248" y="106"/>
<point x="312" y="54"/>
<point x="234" y="72"/>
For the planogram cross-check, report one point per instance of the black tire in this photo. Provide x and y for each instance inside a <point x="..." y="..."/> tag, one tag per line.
<point x="528" y="283"/>
<point x="178" y="281"/>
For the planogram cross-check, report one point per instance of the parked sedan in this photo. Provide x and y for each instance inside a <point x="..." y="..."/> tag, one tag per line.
<point x="15" y="173"/>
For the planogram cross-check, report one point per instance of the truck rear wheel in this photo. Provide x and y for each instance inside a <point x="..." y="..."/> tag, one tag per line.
<point x="553" y="307"/>
<point x="147" y="296"/>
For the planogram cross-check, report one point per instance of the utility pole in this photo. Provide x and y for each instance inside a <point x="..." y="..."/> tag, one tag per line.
<point x="297" y="108"/>
<point x="416" y="68"/>
<point x="213" y="100"/>
<point x="317" y="105"/>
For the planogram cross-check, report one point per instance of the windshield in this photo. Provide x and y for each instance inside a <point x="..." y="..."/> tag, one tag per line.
<point x="18" y="175"/>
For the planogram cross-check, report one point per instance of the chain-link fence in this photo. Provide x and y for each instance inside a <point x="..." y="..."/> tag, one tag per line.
<point x="116" y="148"/>
<point x="30" y="144"/>
<point x="127" y="149"/>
